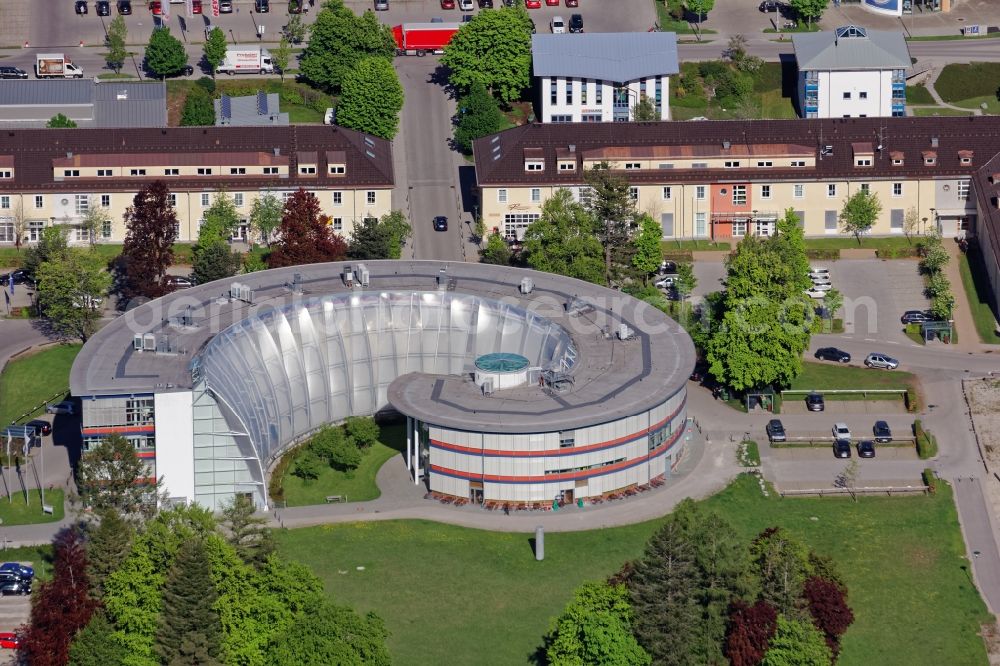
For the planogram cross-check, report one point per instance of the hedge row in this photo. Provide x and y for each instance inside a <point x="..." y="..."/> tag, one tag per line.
<point x="927" y="446"/>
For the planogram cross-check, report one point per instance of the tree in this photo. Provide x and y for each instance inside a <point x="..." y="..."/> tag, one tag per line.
<point x="60" y="121"/>
<point x="282" y="54"/>
<point x="686" y="281"/>
<point x="93" y="221"/>
<point x="215" y="48"/>
<point x="910" y="222"/>
<point x="213" y="260"/>
<point x="644" y="110"/>
<point x="116" y="40"/>
<point x="151" y="229"/>
<point x="265" y="216"/>
<point x="935" y="257"/>
<point x="363" y="430"/>
<point x="496" y="251"/>
<point x="369" y="240"/>
<point x="750" y="631"/>
<point x="295" y="30"/>
<point x="338" y="40"/>
<point x="563" y="240"/>
<point x="165" y="54"/>
<point x="613" y="208"/>
<point x="198" y="109"/>
<point x="372" y="98"/>
<point x="860" y="212"/>
<point x="108" y="544"/>
<point x="71" y="291"/>
<point x="329" y="634"/>
<point x="494" y="49"/>
<point x="94" y="645"/>
<point x="810" y="10"/>
<point x="478" y="115"/>
<point x="595" y="628"/>
<point x="189" y="628"/>
<point x="20" y="224"/>
<point x="111" y="476"/>
<point x="51" y="246"/>
<point x="399" y="230"/>
<point x="62" y="606"/>
<point x="648" y="252"/>
<point x="700" y="8"/>
<point x="797" y="643"/>
<point x="833" y="300"/>
<point x="827" y="602"/>
<point x="307" y="465"/>
<point x="304" y="236"/>
<point x="247" y="533"/>
<point x="345" y="455"/>
<point x="783" y="564"/>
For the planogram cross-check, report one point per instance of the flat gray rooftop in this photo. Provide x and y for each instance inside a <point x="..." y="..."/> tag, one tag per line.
<point x="611" y="378"/>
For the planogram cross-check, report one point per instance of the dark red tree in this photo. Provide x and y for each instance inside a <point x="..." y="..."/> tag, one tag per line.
<point x="624" y="575"/>
<point x="750" y="631"/>
<point x="62" y="606"/>
<point x="828" y="606"/>
<point x="151" y="229"/>
<point x="305" y="235"/>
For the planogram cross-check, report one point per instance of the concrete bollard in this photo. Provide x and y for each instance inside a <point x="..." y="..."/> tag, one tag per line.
<point x="539" y="543"/>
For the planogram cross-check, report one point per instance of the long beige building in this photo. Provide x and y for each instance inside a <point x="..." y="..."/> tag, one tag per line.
<point x="724" y="179"/>
<point x="54" y="177"/>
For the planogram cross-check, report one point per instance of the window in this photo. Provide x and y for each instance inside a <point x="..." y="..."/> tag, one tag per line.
<point x="667" y="193"/>
<point x="534" y="166"/>
<point x="732" y="164"/>
<point x="106" y="229"/>
<point x="138" y="411"/>
<point x="569" y="91"/>
<point x="338" y="169"/>
<point x="567" y="166"/>
<point x="177" y="229"/>
<point x="831" y="190"/>
<point x="592" y="118"/>
<point x="307" y="170"/>
<point x="599" y="90"/>
<point x="285" y="196"/>
<point x="105" y="173"/>
<point x="798" y="163"/>
<point x="238" y="199"/>
<point x="502" y="195"/>
<point x="567" y="438"/>
<point x="370" y="197"/>
<point x="536" y="195"/>
<point x="863" y="161"/>
<point x="338" y="224"/>
<point x="553" y="92"/>
<point x="6" y="230"/>
<point x="81" y="204"/>
<point x="765" y="163"/>
<point x="830" y="221"/>
<point x="173" y="200"/>
<point x="204" y="171"/>
<point x="965" y="160"/>
<point x="739" y="195"/>
<point x="237" y="171"/>
<point x="765" y="191"/>
<point x="561" y="118"/>
<point x="897" y="189"/>
<point x="798" y="190"/>
<point x="171" y="172"/>
<point x="270" y="171"/>
<point x="847" y="95"/>
<point x="35" y="230"/>
<point x="514" y="224"/>
<point x="862" y="95"/>
<point x="665" y="165"/>
<point x="338" y="198"/>
<point x="700" y="226"/>
<point x="5" y="202"/>
<point x="633" y="193"/>
<point x="39" y="201"/>
<point x="205" y="199"/>
<point x="963" y="190"/>
<point x="71" y="173"/>
<point x="896" y="220"/>
<point x="699" y="165"/>
<point x="137" y="172"/>
<point x="81" y="235"/>
<point x="6" y="174"/>
<point x="930" y="160"/>
<point x="584" y="85"/>
<point x="105" y="201"/>
<point x="739" y="228"/>
<point x="699" y="192"/>
<point x="630" y="166"/>
<point x="667" y="224"/>
<point x="897" y="161"/>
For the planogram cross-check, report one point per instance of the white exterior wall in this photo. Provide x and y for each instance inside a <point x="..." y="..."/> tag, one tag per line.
<point x="833" y="84"/>
<point x="175" y="443"/>
<point x="577" y="108"/>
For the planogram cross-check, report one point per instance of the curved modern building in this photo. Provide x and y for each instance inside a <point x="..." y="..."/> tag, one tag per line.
<point x="515" y="385"/>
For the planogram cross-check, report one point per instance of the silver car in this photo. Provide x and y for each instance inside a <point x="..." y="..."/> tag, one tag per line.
<point x="884" y="361"/>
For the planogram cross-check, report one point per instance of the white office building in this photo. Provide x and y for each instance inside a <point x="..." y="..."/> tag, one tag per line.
<point x="851" y="72"/>
<point x="599" y="77"/>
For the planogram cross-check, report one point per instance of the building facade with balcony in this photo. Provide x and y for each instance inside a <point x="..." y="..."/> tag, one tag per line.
<point x="56" y="177"/>
<point x="722" y="180"/>
<point x="851" y="72"/>
<point x="600" y="77"/>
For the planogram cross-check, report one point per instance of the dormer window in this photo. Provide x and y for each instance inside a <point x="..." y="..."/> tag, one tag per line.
<point x="764" y="164"/>
<point x="732" y="164"/>
<point x="863" y="161"/>
<point x="632" y="166"/>
<point x="137" y="172"/>
<point x="930" y="157"/>
<point x="307" y="169"/>
<point x="71" y="173"/>
<point x="307" y="163"/>
<point x="204" y="171"/>
<point x="6" y="173"/>
<point x="798" y="163"/>
<point x="965" y="157"/>
<point x="337" y="169"/>
<point x="896" y="157"/>
<point x="567" y="166"/>
<point x="534" y="165"/>
<point x="863" y="154"/>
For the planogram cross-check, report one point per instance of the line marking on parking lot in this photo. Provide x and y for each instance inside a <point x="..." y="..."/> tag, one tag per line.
<point x="870" y="340"/>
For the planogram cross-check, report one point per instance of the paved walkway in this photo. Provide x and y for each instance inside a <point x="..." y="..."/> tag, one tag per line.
<point x="930" y="80"/>
<point x="968" y="337"/>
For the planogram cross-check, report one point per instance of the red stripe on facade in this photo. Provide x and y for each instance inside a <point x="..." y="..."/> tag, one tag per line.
<point x="121" y="430"/>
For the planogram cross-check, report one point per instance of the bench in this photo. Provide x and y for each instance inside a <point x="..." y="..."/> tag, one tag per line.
<point x="330" y="499"/>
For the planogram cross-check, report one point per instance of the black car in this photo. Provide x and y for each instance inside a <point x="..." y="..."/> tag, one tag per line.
<point x="866" y="449"/>
<point x="576" y="23"/>
<point x="20" y="276"/>
<point x="775" y="431"/>
<point x="264" y="6"/>
<point x="814" y="402"/>
<point x="486" y="4"/>
<point x="103" y="8"/>
<point x="13" y="584"/>
<point x="770" y="6"/>
<point x="40" y="426"/>
<point x="81" y="6"/>
<point x="440" y="223"/>
<point x="915" y="317"/>
<point x="833" y="354"/>
<point x="841" y="448"/>
<point x="882" y="432"/>
<point x="124" y="7"/>
<point x="9" y="72"/>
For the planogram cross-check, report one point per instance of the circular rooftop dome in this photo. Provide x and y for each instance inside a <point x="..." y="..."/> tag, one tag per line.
<point x="501" y="362"/>
<point x="501" y="370"/>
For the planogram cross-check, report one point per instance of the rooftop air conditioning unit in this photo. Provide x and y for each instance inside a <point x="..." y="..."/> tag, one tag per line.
<point x="364" y="276"/>
<point x="149" y="342"/>
<point x="348" y="276"/>
<point x="527" y="285"/>
<point x="624" y="332"/>
<point x="137" y="343"/>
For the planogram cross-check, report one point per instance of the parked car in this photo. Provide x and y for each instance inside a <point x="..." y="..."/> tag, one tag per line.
<point x="466" y="5"/>
<point x="10" y="72"/>
<point x="124" y="7"/>
<point x="915" y="317"/>
<point x="156" y="8"/>
<point x="15" y="587"/>
<point x="667" y="268"/>
<point x="264" y="6"/>
<point x="841" y="449"/>
<point x="576" y="25"/>
<point x="486" y="4"/>
<point x="64" y="407"/>
<point x="815" y="293"/>
<point x="815" y="402"/>
<point x="22" y="570"/>
<point x="532" y="4"/>
<point x="20" y="275"/>
<point x="103" y="8"/>
<point x="9" y="640"/>
<point x="770" y="6"/>
<point x="81" y="6"/>
<point x="381" y="5"/>
<point x="196" y="6"/>
<point x="822" y="286"/>
<point x="557" y="25"/>
<point x="41" y="427"/>
<point x="841" y="431"/>
<point x="440" y="223"/>
<point x="179" y="282"/>
<point x="775" y="431"/>
<point x="833" y="354"/>
<point x="552" y="3"/>
<point x="226" y="6"/>
<point x="866" y="449"/>
<point x="447" y="4"/>
<point x="882" y="432"/>
<point x="877" y="360"/>
<point x="572" y="3"/>
<point x="665" y="282"/>
<point x="818" y="271"/>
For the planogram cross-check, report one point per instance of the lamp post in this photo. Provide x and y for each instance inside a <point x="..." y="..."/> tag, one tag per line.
<point x="934" y="218"/>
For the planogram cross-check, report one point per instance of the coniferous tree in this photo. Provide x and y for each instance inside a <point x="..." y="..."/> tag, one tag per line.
<point x="783" y="564"/>
<point x="247" y="533"/>
<point x="95" y="646"/>
<point x="112" y="476"/>
<point x="305" y="235"/>
<point x="151" y="225"/>
<point x="189" y="628"/>
<point x="613" y="208"/>
<point x="108" y="545"/>
<point x="370" y="240"/>
<point x="478" y="115"/>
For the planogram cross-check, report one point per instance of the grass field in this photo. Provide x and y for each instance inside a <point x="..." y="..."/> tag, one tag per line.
<point x="31" y="380"/>
<point x="10" y="257"/>
<point x="918" y="94"/>
<point x="890" y="243"/>
<point x="694" y="245"/>
<point x="39" y="557"/>
<point x="961" y="81"/>
<point x="333" y="482"/>
<point x="15" y="512"/>
<point x="302" y="103"/>
<point x="665" y="12"/>
<point x="992" y="104"/>
<point x="930" y="111"/>
<point x="832" y="376"/>
<point x="460" y="596"/>
<point x="978" y="296"/>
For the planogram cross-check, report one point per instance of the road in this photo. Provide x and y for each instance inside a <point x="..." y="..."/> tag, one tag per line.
<point x="766" y="46"/>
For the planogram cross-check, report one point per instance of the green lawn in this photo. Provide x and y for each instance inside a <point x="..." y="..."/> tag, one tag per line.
<point x="832" y="376"/>
<point x="12" y="258"/>
<point x="962" y="81"/>
<point x="333" y="482"/>
<point x="26" y="383"/>
<point x="991" y="102"/>
<point x="978" y="296"/>
<point x="890" y="243"/>
<point x="667" y="10"/>
<point x="452" y="595"/>
<point x="302" y="103"/>
<point x="918" y="94"/>
<point x="694" y="245"/>
<point x="930" y="111"/>
<point x="14" y="511"/>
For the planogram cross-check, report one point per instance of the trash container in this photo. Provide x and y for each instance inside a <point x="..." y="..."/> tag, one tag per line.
<point x="579" y="502"/>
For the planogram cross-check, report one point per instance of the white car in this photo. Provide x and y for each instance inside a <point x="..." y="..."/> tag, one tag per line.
<point x="815" y="293"/>
<point x="465" y="5"/>
<point x="841" y="431"/>
<point x="64" y="407"/>
<point x="822" y="286"/>
<point x="819" y="272"/>
<point x="665" y="282"/>
<point x="558" y="25"/>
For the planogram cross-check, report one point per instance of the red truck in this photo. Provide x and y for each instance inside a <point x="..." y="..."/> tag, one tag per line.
<point x="423" y="38"/>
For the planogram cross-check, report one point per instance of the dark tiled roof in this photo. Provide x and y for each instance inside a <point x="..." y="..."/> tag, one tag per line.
<point x="369" y="159"/>
<point x="987" y="191"/>
<point x="249" y="158"/>
<point x="499" y="157"/>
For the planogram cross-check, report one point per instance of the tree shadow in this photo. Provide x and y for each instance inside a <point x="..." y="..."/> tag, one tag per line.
<point x="439" y="77"/>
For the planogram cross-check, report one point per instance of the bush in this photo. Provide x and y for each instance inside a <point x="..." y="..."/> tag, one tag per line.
<point x="911" y="401"/>
<point x="926" y="442"/>
<point x="290" y="96"/>
<point x="824" y="253"/>
<point x="208" y="83"/>
<point x="714" y="70"/>
<point x="930" y="480"/>
<point x="690" y="102"/>
<point x="307" y="465"/>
